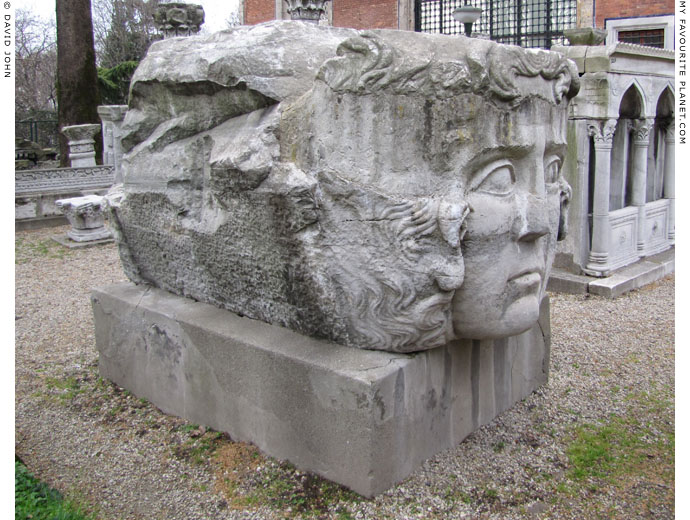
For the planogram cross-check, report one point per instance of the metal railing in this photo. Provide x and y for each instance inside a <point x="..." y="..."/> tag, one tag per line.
<point x="528" y="23"/>
<point x="44" y="132"/>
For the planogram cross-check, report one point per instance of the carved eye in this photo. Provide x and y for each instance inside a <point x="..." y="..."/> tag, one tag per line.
<point x="496" y="179"/>
<point x="551" y="170"/>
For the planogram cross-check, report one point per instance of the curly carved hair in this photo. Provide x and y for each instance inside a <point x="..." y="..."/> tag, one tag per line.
<point x="369" y="63"/>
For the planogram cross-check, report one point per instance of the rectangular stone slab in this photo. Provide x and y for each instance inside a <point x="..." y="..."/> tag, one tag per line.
<point x="364" y="419"/>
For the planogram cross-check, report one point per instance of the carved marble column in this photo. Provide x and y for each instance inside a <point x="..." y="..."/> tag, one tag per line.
<point x="670" y="177"/>
<point x="307" y="10"/>
<point x="85" y="214"/>
<point x="81" y="141"/>
<point x="602" y="131"/>
<point x="640" y="144"/>
<point x="112" y="117"/>
<point x="178" y="19"/>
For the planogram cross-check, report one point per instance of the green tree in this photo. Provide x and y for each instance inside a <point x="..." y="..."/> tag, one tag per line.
<point x="114" y="82"/>
<point x="123" y="30"/>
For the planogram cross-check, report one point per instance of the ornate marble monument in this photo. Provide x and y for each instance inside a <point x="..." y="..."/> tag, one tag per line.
<point x="620" y="158"/>
<point x="322" y="189"/>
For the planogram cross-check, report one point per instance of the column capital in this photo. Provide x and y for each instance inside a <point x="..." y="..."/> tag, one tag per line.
<point x="178" y="19"/>
<point x="307" y="10"/>
<point x="669" y="125"/>
<point x="80" y="140"/>
<point x="602" y="131"/>
<point x="641" y="129"/>
<point x="112" y="112"/>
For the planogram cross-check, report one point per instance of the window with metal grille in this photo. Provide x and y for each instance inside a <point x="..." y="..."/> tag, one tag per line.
<point x="649" y="37"/>
<point x="528" y="23"/>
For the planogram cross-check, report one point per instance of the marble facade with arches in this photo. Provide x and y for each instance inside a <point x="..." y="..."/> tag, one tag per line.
<point x="620" y="161"/>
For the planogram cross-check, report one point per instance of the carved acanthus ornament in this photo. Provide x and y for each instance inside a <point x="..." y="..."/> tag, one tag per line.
<point x="307" y="10"/>
<point x="641" y="128"/>
<point x="602" y="132"/>
<point x="178" y="19"/>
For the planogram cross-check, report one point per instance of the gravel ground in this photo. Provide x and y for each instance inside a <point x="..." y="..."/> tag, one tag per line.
<point x="611" y="382"/>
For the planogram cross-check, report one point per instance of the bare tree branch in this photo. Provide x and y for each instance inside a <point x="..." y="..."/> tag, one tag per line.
<point x="36" y="58"/>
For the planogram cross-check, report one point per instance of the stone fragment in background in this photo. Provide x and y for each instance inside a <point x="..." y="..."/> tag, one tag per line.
<point x="81" y="142"/>
<point x="86" y="216"/>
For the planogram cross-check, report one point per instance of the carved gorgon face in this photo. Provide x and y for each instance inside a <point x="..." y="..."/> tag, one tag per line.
<point x="473" y="196"/>
<point x="515" y="191"/>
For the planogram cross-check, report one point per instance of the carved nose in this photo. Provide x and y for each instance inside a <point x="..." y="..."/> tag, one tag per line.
<point x="532" y="220"/>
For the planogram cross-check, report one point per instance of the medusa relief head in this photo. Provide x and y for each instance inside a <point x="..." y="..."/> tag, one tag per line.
<point x="448" y="166"/>
<point x="395" y="263"/>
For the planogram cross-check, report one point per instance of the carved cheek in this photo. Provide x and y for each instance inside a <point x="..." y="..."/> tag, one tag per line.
<point x="491" y="217"/>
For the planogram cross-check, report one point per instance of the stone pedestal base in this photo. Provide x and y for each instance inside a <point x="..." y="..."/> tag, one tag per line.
<point x="361" y="418"/>
<point x="89" y="235"/>
<point x="66" y="241"/>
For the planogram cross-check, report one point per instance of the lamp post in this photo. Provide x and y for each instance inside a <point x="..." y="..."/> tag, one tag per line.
<point x="467" y="15"/>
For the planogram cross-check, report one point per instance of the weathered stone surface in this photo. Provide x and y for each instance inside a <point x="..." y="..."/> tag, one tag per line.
<point x="385" y="190"/>
<point x="362" y="418"/>
<point x="187" y="85"/>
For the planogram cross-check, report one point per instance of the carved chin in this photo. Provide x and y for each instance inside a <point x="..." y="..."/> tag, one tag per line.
<point x="515" y="318"/>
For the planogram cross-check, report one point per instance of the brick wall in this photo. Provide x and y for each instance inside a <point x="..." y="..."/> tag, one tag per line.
<point x="630" y="8"/>
<point x="359" y="14"/>
<point x="257" y="11"/>
<point x="366" y="14"/>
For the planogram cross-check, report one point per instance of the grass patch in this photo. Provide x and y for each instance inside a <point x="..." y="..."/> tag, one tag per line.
<point x="38" y="501"/>
<point x="626" y="444"/>
<point x="28" y="248"/>
<point x="64" y="388"/>
<point x="200" y="445"/>
<point x="249" y="479"/>
<point x="630" y="455"/>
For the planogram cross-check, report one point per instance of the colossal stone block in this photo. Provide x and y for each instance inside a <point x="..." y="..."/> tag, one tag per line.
<point x="383" y="190"/>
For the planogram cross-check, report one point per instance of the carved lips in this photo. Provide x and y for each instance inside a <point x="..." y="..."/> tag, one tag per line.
<point x="526" y="281"/>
